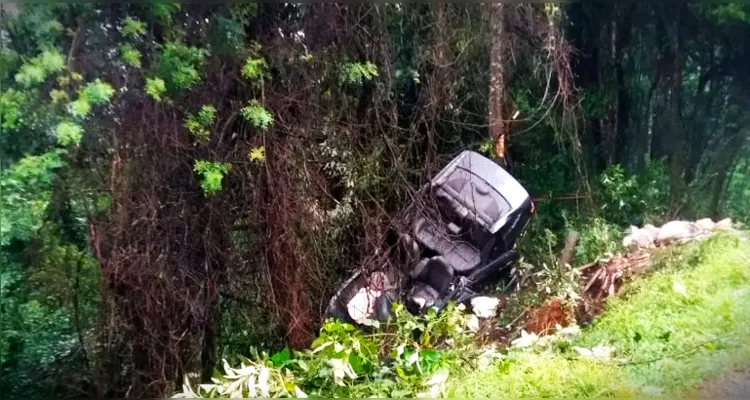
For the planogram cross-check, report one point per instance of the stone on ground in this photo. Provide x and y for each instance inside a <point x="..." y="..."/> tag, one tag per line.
<point x="485" y="307"/>
<point x="677" y="231"/>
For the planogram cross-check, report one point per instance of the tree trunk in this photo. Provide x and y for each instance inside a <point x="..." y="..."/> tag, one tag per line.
<point x="675" y="143"/>
<point x="497" y="128"/>
<point x="724" y="167"/>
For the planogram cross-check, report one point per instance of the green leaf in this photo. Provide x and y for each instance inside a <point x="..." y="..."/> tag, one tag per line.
<point x="281" y="357"/>
<point x="258" y="116"/>
<point x="133" y="27"/>
<point x="80" y="108"/>
<point x="356" y="73"/>
<point x="253" y="68"/>
<point x="179" y="65"/>
<point x="36" y="70"/>
<point x="155" y="87"/>
<point x="207" y="115"/>
<point x="199" y="125"/>
<point x="212" y="173"/>
<point x="257" y="154"/>
<point x="130" y="55"/>
<point x="97" y="92"/>
<point x="68" y="134"/>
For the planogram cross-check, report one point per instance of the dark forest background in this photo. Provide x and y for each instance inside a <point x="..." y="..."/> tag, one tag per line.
<point x="183" y="182"/>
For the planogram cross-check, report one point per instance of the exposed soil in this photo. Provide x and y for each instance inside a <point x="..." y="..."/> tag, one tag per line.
<point x="546" y="317"/>
<point x="732" y="385"/>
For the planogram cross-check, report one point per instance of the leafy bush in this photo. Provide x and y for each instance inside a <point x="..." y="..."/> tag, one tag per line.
<point x="130" y="55"/>
<point x="212" y="173"/>
<point x="93" y="93"/>
<point x="356" y="73"/>
<point x="625" y="201"/>
<point x="133" y="27"/>
<point x="26" y="189"/>
<point x="739" y="194"/>
<point x="258" y="116"/>
<point x="97" y="92"/>
<point x="253" y="68"/>
<point x="79" y="108"/>
<point x="155" y="87"/>
<point x="412" y="357"/>
<point x="68" y="134"/>
<point x="199" y="125"/>
<point x="596" y="238"/>
<point x="179" y="65"/>
<point x="36" y="70"/>
<point x="620" y="197"/>
<point x="12" y="103"/>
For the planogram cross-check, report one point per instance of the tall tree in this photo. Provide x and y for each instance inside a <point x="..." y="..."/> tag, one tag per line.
<point x="497" y="123"/>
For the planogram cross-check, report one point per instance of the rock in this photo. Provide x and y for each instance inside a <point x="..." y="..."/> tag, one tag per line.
<point x="643" y="240"/>
<point x="639" y="238"/>
<point x="485" y="307"/>
<point x="652" y="231"/>
<point x="633" y="229"/>
<point x="706" y="224"/>
<point x="677" y="231"/>
<point x="472" y="323"/>
<point x="628" y="241"/>
<point x="723" y="225"/>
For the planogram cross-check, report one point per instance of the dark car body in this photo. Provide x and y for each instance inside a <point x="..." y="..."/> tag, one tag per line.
<point x="455" y="238"/>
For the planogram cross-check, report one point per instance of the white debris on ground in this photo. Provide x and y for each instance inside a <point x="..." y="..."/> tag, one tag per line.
<point x="362" y="304"/>
<point x="600" y="352"/>
<point x="673" y="232"/>
<point x="485" y="307"/>
<point x="526" y="340"/>
<point x="472" y="323"/>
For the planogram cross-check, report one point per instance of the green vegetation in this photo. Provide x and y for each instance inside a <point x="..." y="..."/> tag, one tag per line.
<point x="180" y="65"/>
<point x="68" y="134"/>
<point x="130" y="55"/>
<point x="155" y="87"/>
<point x="258" y="116"/>
<point x="686" y="322"/>
<point x="356" y="73"/>
<point x="133" y="27"/>
<point x="182" y="183"/>
<point x="199" y="125"/>
<point x="414" y="357"/>
<point x="212" y="173"/>
<point x="254" y="68"/>
<point x="37" y="69"/>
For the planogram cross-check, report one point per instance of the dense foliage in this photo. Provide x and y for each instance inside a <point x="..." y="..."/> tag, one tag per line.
<point x="182" y="183"/>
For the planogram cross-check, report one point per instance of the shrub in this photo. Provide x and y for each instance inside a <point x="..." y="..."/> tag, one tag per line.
<point x="411" y="357"/>
<point x="596" y="238"/>
<point x="212" y="174"/>
<point x="258" y="116"/>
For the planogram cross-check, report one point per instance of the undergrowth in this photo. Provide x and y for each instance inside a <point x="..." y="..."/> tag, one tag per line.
<point x="684" y="322"/>
<point x="413" y="357"/>
<point x="666" y="332"/>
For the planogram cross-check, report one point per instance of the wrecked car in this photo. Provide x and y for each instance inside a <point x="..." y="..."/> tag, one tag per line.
<point x="456" y="238"/>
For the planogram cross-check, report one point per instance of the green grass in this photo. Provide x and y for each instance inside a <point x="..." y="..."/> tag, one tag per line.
<point x="685" y="322"/>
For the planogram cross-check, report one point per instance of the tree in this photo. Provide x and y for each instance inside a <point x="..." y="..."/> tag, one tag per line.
<point x="496" y="118"/>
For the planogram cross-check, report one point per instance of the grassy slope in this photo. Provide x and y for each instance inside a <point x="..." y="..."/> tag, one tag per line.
<point x="687" y="321"/>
